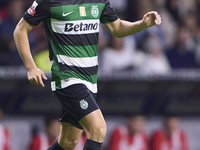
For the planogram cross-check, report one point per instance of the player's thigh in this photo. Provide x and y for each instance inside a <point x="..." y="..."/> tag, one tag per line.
<point x="94" y="123"/>
<point x="69" y="133"/>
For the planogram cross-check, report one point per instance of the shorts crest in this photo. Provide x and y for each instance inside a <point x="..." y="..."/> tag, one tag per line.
<point x="84" y="104"/>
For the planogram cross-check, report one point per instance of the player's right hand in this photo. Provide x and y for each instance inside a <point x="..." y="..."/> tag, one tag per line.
<point x="35" y="76"/>
<point x="151" y="18"/>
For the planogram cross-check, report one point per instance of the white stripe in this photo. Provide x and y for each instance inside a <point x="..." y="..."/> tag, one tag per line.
<point x="51" y="62"/>
<point x="67" y="82"/>
<point x="53" y="85"/>
<point x="81" y="26"/>
<point x="79" y="62"/>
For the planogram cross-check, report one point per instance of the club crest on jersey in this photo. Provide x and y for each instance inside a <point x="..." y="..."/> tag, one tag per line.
<point x="32" y="9"/>
<point x="82" y="11"/>
<point x="84" y="104"/>
<point x="95" y="11"/>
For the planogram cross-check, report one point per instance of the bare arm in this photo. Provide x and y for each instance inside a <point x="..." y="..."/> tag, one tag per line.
<point x="34" y="74"/>
<point x="121" y="28"/>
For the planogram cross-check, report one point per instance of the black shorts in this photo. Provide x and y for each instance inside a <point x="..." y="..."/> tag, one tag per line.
<point x="77" y="102"/>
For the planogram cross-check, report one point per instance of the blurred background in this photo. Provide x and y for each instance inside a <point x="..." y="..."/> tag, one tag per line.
<point x="149" y="83"/>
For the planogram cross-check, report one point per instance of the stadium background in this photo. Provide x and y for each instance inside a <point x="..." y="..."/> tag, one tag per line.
<point x="154" y="73"/>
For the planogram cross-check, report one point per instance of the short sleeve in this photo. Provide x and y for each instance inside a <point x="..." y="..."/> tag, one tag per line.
<point x="39" y="11"/>
<point x="108" y="14"/>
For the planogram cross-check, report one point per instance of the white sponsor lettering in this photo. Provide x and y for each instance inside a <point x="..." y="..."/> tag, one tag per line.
<point x="75" y="27"/>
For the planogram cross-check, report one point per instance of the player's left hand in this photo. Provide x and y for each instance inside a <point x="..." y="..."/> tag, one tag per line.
<point x="151" y="18"/>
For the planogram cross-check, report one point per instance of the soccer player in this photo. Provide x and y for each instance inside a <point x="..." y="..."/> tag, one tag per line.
<point x="72" y="28"/>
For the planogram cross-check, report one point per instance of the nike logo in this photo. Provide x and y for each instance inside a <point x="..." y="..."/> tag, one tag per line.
<point x="64" y="15"/>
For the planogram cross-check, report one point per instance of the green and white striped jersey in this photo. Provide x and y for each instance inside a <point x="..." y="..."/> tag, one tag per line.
<point x="72" y="28"/>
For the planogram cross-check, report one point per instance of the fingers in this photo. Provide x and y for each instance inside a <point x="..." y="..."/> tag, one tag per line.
<point x="158" y="20"/>
<point x="152" y="12"/>
<point x="157" y="17"/>
<point x="43" y="76"/>
<point x="36" y="78"/>
<point x="33" y="81"/>
<point x="37" y="81"/>
<point x="40" y="82"/>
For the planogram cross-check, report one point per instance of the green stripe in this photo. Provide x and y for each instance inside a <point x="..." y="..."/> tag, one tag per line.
<point x="78" y="51"/>
<point x="58" y="85"/>
<point x="71" y="74"/>
<point x="103" y="19"/>
<point x="57" y="12"/>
